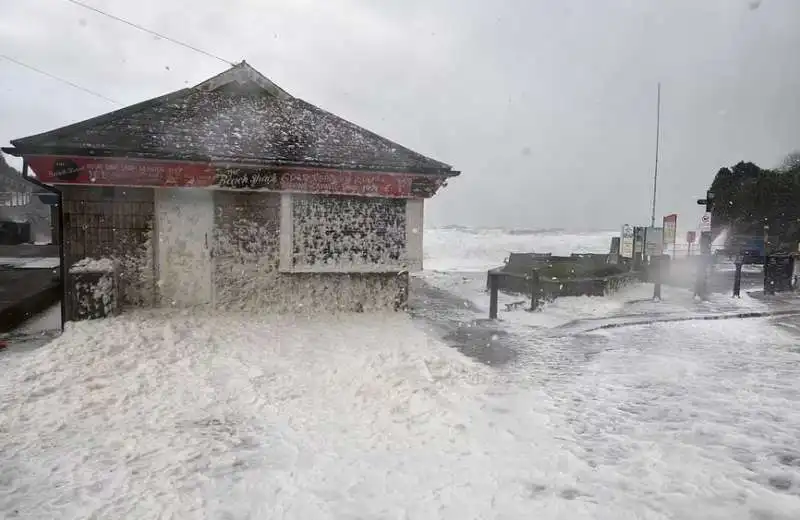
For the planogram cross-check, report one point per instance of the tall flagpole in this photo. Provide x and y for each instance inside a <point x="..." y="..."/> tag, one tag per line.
<point x="657" y="284"/>
<point x="655" y="170"/>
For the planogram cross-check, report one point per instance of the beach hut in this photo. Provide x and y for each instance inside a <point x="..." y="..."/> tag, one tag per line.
<point x="235" y="194"/>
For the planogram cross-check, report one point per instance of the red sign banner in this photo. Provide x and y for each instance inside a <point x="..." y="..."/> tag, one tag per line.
<point x="119" y="172"/>
<point x="346" y="183"/>
<point x="103" y="171"/>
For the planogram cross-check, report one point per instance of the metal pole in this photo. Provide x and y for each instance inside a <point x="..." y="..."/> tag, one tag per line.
<point x="659" y="265"/>
<point x="644" y="254"/>
<point x="536" y="289"/>
<point x="768" y="282"/>
<point x="62" y="260"/>
<point x="655" y="169"/>
<point x="493" y="296"/>
<point x="701" y="284"/>
<point x="62" y="265"/>
<point x="737" y="281"/>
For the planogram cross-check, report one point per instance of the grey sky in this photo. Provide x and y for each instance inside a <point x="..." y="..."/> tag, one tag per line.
<point x="547" y="106"/>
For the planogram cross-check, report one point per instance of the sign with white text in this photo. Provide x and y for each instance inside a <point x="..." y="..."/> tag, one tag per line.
<point x="111" y="171"/>
<point x="705" y="223"/>
<point x="638" y="239"/>
<point x="626" y="242"/>
<point x="655" y="241"/>
<point x="670" y="229"/>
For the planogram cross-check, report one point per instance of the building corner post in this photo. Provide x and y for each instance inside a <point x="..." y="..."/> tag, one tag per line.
<point x="62" y="264"/>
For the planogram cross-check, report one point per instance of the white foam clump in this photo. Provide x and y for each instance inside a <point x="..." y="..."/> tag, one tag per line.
<point x="180" y="415"/>
<point x="170" y="414"/>
<point x="92" y="265"/>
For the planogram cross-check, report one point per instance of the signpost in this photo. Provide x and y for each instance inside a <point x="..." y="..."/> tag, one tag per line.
<point x="691" y="236"/>
<point x="638" y="246"/>
<point x="638" y="240"/>
<point x="654" y="249"/>
<point x="701" y="285"/>
<point x="655" y="241"/>
<point x="705" y="223"/>
<point x="626" y="242"/>
<point x="670" y="232"/>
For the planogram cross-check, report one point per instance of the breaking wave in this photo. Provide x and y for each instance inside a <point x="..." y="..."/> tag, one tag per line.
<point x="464" y="249"/>
<point x="514" y="230"/>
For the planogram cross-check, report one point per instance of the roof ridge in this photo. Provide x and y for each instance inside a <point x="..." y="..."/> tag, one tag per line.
<point x="240" y="72"/>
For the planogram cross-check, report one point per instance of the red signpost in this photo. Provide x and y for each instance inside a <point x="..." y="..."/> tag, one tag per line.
<point x="691" y="236"/>
<point x="670" y="225"/>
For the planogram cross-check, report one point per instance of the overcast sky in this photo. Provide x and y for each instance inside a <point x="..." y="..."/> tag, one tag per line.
<point x="546" y="106"/>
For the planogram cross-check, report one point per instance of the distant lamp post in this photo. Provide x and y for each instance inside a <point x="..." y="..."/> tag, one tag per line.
<point x="768" y="284"/>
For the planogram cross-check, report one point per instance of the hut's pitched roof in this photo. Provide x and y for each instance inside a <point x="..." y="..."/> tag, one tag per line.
<point x="237" y="116"/>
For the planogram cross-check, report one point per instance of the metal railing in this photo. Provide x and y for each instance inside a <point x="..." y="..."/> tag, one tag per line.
<point x="13" y="199"/>
<point x="542" y="289"/>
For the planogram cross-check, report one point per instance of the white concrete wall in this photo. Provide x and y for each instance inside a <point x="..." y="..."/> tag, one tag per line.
<point x="415" y="217"/>
<point x="184" y="225"/>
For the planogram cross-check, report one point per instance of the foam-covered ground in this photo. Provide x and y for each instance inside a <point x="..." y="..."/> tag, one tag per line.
<point x="177" y="416"/>
<point x="180" y="415"/>
<point x="681" y="420"/>
<point x="634" y="301"/>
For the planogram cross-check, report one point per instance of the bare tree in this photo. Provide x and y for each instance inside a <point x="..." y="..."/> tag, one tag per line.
<point x="790" y="163"/>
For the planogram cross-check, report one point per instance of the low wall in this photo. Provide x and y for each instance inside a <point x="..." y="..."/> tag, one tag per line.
<point x="574" y="266"/>
<point x="25" y="293"/>
<point x="550" y="289"/>
<point x="575" y="275"/>
<point x="29" y="251"/>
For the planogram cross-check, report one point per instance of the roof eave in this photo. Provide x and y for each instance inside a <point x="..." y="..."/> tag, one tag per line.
<point x="19" y="151"/>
